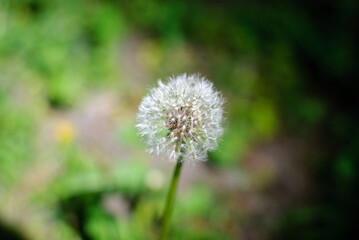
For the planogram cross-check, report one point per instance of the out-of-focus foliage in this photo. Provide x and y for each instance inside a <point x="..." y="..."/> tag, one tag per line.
<point x="72" y="73"/>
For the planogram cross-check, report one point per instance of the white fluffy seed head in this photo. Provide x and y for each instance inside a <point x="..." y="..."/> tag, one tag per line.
<point x="182" y="118"/>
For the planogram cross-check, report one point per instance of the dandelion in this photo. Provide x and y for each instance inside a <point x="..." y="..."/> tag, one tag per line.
<point x="182" y="120"/>
<point x="64" y="132"/>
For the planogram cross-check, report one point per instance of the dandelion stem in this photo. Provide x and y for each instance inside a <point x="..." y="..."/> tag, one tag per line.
<point x="170" y="199"/>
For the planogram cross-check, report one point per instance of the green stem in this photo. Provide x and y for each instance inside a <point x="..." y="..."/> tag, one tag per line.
<point x="170" y="199"/>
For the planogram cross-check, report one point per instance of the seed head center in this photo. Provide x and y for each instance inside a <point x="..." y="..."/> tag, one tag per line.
<point x="182" y="122"/>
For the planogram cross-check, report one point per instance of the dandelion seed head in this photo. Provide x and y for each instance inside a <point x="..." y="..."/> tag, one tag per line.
<point x="182" y="118"/>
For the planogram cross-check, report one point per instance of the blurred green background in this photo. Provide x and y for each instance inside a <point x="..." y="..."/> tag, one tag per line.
<point x="73" y="72"/>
